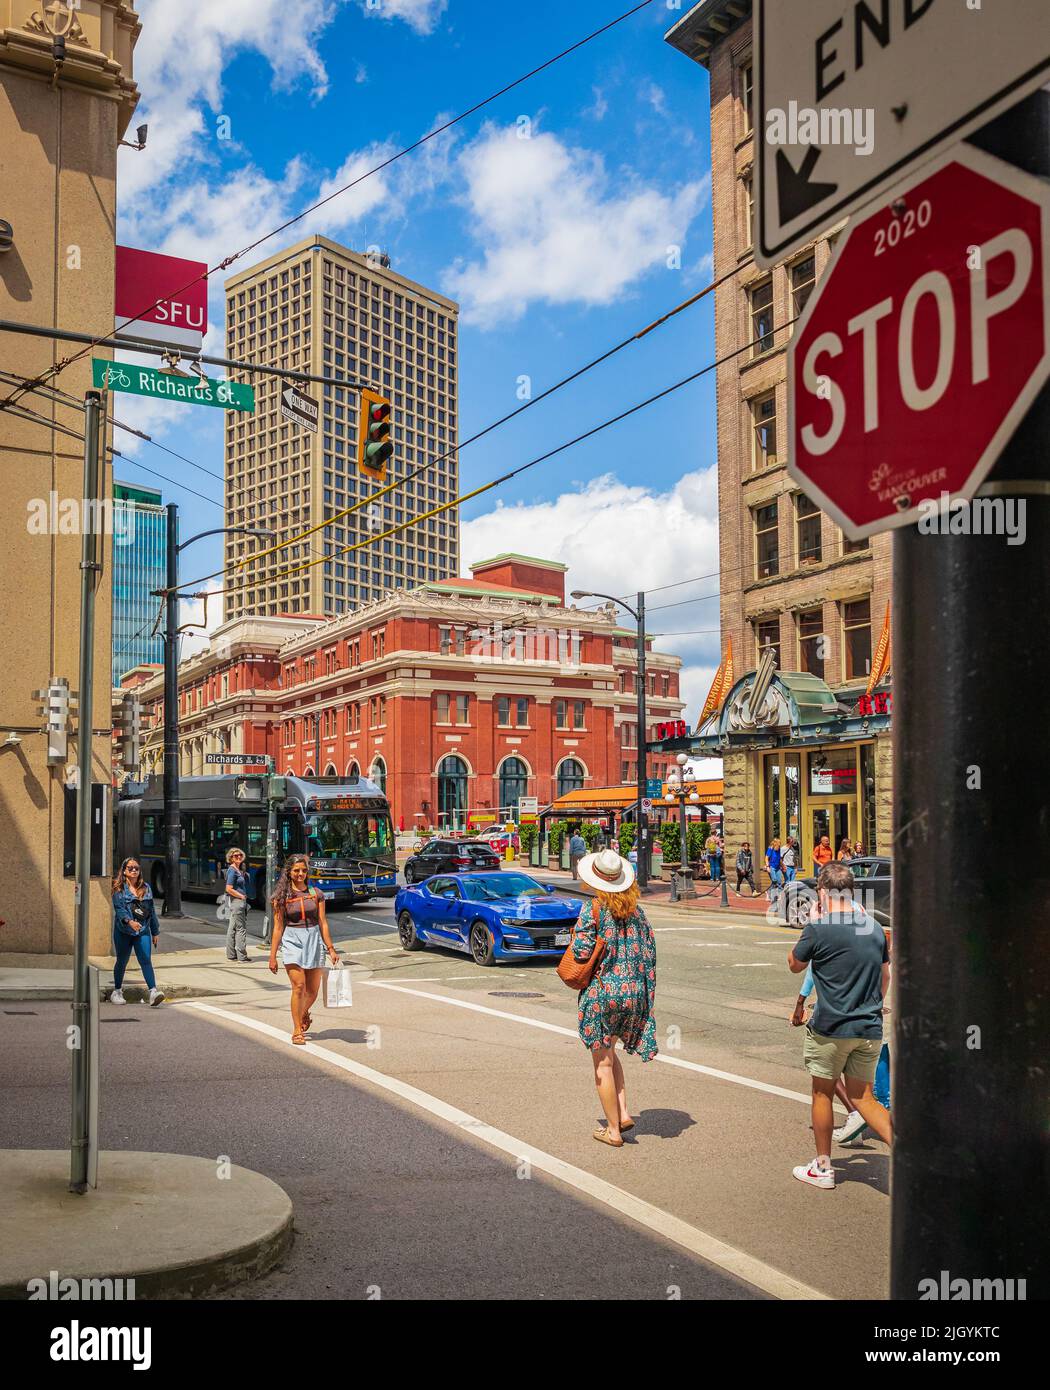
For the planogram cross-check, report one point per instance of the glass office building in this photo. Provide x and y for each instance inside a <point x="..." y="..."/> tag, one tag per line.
<point x="139" y="567"/>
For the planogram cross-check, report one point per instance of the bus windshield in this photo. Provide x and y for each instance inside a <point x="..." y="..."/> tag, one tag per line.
<point x="353" y="835"/>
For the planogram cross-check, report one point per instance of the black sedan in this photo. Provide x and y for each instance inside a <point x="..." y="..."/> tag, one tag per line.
<point x="873" y="882"/>
<point x="450" y="857"/>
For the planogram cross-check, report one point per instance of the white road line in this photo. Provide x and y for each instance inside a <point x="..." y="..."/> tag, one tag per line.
<point x="752" y="964"/>
<point x="572" y="1033"/>
<point x="653" y="1218"/>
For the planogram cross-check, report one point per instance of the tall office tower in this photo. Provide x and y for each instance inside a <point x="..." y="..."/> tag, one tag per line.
<point x="140" y="551"/>
<point x="323" y="309"/>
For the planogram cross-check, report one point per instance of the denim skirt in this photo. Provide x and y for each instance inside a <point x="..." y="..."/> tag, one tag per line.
<point x="303" y="946"/>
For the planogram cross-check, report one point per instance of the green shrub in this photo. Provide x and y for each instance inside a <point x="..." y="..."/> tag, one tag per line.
<point x="698" y="833"/>
<point x="527" y="835"/>
<point x="627" y="839"/>
<point x="590" y="833"/>
<point x="557" y="833"/>
<point x="671" y="841"/>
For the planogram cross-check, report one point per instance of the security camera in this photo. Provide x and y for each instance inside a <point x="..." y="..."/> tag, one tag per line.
<point x="141" y="133"/>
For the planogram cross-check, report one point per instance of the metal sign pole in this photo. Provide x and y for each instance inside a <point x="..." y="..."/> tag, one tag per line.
<point x="84" y="1122"/>
<point x="971" y="992"/>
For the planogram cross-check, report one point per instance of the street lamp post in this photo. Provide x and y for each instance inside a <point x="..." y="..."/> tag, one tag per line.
<point x="172" y="817"/>
<point x="678" y="790"/>
<point x="641" y="820"/>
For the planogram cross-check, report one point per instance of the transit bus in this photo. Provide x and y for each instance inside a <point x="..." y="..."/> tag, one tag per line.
<point x="343" y="826"/>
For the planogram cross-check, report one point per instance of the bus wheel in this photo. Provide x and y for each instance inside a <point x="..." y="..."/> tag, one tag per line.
<point x="157" y="882"/>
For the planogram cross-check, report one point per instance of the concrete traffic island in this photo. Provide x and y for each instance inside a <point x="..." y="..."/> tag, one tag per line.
<point x="170" y="1222"/>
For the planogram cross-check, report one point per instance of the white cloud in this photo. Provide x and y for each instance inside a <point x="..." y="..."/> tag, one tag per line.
<point x="179" y="66"/>
<point x="555" y="227"/>
<point x="655" y="97"/>
<point x="618" y="538"/>
<point x="205" y="615"/>
<point x="421" y="15"/>
<point x="599" y="107"/>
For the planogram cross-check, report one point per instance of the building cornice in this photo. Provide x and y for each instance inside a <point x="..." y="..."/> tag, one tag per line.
<point x="699" y="32"/>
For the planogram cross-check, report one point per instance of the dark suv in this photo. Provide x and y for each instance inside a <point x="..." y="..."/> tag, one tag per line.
<point x="872" y="877"/>
<point x="450" y="857"/>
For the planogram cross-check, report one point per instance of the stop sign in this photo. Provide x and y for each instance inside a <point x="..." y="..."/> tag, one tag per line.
<point x="924" y="344"/>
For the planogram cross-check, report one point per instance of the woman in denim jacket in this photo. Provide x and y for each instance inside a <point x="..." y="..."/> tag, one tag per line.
<point x="135" y="928"/>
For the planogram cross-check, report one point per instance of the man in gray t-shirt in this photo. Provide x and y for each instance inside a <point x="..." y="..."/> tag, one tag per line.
<point x="850" y="960"/>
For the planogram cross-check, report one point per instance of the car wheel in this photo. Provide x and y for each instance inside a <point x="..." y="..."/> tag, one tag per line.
<point x="482" y="946"/>
<point x="406" y="933"/>
<point x="796" y="909"/>
<point x="158" y="882"/>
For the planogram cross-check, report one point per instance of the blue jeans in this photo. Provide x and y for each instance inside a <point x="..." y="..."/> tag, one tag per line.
<point x="715" y="861"/>
<point x="142" y="945"/>
<point x="789" y="873"/>
<point x="881" y="1089"/>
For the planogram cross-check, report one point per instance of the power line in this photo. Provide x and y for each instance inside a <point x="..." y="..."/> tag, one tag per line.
<point x="514" y="472"/>
<point x="21" y="411"/>
<point x="440" y="458"/>
<point x="60" y="367"/>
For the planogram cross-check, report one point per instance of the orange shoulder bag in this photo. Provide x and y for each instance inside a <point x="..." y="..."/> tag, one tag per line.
<point x="578" y="974"/>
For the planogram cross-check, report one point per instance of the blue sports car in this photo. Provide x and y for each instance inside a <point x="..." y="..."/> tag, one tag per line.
<point x="496" y="916"/>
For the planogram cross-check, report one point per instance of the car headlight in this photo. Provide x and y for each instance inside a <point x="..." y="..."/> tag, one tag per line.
<point x="514" y="921"/>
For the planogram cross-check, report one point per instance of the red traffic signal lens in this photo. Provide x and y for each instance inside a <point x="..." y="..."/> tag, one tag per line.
<point x="378" y="412"/>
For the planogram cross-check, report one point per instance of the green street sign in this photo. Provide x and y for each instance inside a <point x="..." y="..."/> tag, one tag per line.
<point x="149" y="381"/>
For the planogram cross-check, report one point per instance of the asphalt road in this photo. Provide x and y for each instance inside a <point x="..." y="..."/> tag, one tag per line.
<point x="436" y="1139"/>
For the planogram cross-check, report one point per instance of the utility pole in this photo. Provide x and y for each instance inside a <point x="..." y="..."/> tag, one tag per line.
<point x="172" y="819"/>
<point x="90" y="569"/>
<point x="641" y="819"/>
<point x="971" y="993"/>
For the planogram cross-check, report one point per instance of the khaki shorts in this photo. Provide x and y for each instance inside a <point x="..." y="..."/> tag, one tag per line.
<point x="830" y="1058"/>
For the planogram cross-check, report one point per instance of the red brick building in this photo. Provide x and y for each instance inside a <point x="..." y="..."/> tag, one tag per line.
<point x="460" y="695"/>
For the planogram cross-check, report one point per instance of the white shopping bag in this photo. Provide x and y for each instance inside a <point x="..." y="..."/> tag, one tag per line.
<point x="338" y="992"/>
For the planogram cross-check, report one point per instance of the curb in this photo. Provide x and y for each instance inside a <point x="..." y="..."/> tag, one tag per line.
<point x="71" y="1230"/>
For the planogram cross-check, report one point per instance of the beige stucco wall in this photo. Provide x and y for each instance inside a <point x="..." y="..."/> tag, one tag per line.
<point x="58" y="147"/>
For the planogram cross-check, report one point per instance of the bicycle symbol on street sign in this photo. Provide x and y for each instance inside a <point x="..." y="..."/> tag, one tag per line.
<point x="116" y="376"/>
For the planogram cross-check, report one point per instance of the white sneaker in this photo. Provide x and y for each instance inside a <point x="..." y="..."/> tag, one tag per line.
<point x="117" y="997"/>
<point x="816" y="1177"/>
<point x="854" y="1128"/>
<point x="156" y="996"/>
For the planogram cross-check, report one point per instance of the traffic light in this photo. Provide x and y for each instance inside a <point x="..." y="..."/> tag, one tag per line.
<point x="55" y="711"/>
<point x="130" y="729"/>
<point x="374" y="447"/>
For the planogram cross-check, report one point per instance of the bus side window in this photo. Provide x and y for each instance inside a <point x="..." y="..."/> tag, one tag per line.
<point x="286" y="833"/>
<point x="149" y="832"/>
<point x="224" y="832"/>
<point x="255" y="837"/>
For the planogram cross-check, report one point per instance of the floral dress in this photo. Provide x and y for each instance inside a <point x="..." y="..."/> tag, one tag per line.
<point x="618" y="1002"/>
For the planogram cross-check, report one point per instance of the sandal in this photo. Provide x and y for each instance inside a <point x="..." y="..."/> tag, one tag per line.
<point x="307" y="1020"/>
<point x="625" y="1127"/>
<point x="603" y="1137"/>
<point x="299" y="1039"/>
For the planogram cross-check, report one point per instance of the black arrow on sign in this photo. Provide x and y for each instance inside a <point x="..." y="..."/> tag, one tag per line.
<point x="795" y="193"/>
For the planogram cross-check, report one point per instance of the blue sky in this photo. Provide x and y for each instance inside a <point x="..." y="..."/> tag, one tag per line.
<point x="557" y="246"/>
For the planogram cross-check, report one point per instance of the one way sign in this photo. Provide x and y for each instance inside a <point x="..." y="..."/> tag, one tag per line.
<point x="851" y="94"/>
<point x="300" y="408"/>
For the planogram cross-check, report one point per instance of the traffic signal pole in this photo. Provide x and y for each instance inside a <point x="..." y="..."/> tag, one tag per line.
<point x="971" y="991"/>
<point x="90" y="569"/>
<point x="172" y="819"/>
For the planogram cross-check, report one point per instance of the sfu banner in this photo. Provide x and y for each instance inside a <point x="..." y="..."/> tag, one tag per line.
<point x="164" y="297"/>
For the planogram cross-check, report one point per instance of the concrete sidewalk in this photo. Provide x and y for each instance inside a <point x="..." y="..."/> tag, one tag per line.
<point x="179" y="1227"/>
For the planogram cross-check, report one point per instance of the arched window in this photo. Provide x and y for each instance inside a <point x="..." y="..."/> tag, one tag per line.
<point x="452" y="792"/>
<point x="353" y="771"/>
<point x="513" y="785"/>
<point x="378" y="774"/>
<point x="309" y="772"/>
<point x="330" y="771"/>
<point x="570" y="776"/>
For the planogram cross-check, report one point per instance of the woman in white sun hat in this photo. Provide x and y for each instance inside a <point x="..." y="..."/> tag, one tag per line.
<point x="618" y="1002"/>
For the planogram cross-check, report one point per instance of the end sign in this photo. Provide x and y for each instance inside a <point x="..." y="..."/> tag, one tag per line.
<point x="924" y="345"/>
